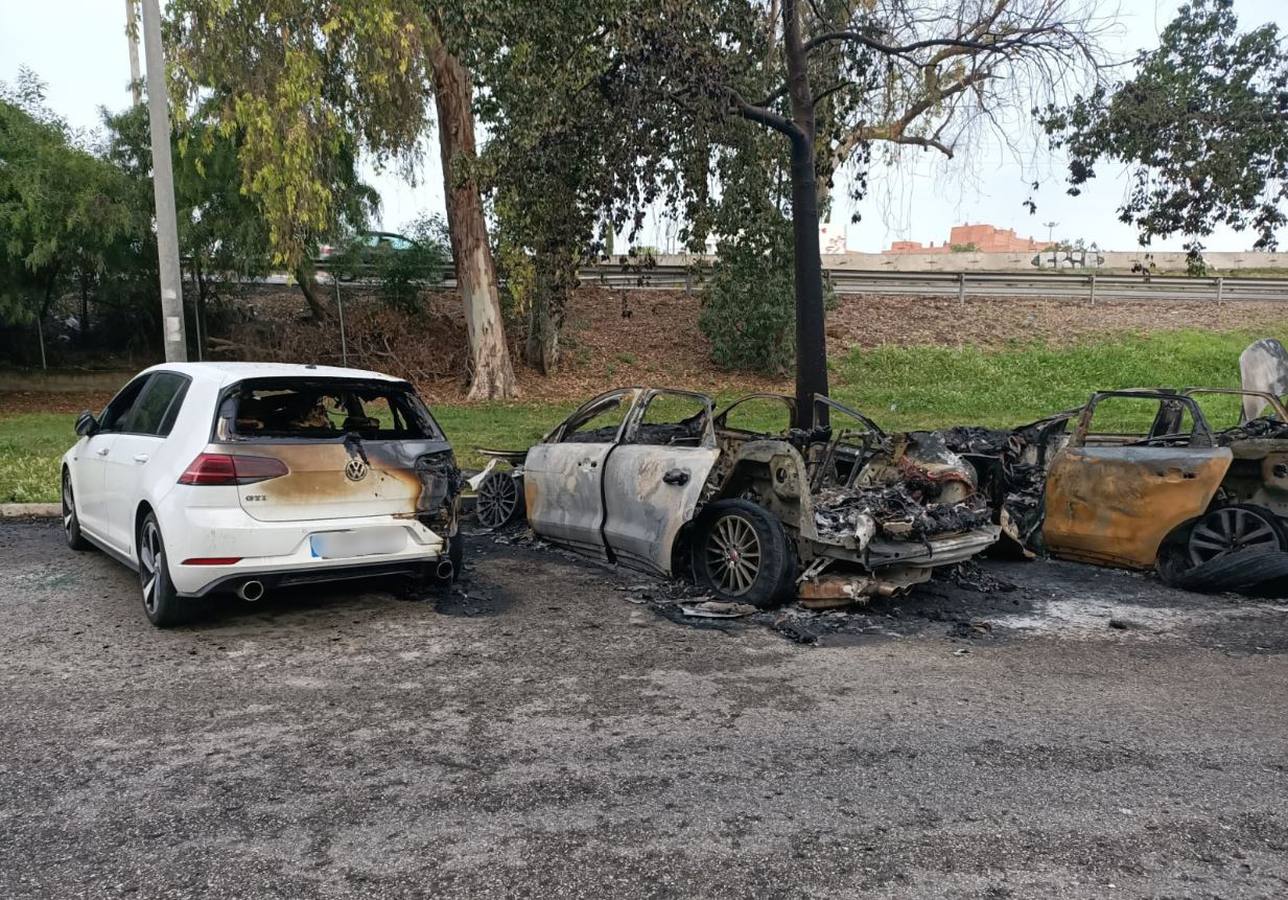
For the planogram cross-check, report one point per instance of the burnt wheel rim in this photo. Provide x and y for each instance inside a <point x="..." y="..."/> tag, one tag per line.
<point x="498" y="497"/>
<point x="1228" y="530"/>
<point x="733" y="555"/>
<point x="69" y="506"/>
<point x="151" y="564"/>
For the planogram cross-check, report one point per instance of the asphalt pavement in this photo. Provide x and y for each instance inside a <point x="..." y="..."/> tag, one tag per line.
<point x="547" y="731"/>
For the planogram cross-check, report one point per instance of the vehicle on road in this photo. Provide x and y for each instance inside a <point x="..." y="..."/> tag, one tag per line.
<point x="239" y="477"/>
<point x="364" y="253"/>
<point x="756" y="508"/>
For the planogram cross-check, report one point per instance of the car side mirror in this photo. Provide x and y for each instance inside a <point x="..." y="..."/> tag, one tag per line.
<point x="86" y="424"/>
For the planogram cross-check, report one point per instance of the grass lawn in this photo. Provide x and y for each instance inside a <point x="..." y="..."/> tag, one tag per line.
<point x="30" y="446"/>
<point x="900" y="387"/>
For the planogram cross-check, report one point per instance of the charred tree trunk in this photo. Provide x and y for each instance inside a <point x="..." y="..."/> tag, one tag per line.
<point x="307" y="277"/>
<point x="493" y="374"/>
<point x="811" y="327"/>
<point x="555" y="275"/>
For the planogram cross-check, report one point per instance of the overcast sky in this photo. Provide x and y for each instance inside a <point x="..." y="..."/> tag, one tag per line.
<point x="78" y="48"/>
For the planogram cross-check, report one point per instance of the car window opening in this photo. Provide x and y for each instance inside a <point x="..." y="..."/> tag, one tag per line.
<point x="326" y="410"/>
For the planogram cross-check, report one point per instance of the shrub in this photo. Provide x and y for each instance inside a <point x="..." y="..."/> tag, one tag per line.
<point x="404" y="275"/>
<point x="748" y="305"/>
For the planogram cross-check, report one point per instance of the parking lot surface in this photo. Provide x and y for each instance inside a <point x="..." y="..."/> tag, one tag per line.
<point x="544" y="732"/>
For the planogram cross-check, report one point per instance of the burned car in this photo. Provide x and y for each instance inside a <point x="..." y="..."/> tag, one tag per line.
<point x="655" y="479"/>
<point x="1141" y="479"/>
<point x="1182" y="496"/>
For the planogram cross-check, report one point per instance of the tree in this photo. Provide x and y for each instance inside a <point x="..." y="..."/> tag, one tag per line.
<point x="571" y="157"/>
<point x="64" y="212"/>
<point x="221" y="230"/>
<point x="831" y="78"/>
<point x="308" y="84"/>
<point x="1202" y="126"/>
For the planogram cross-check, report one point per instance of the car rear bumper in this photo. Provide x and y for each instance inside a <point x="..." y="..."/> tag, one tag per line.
<point x="410" y="568"/>
<point x="938" y="551"/>
<point x="279" y="553"/>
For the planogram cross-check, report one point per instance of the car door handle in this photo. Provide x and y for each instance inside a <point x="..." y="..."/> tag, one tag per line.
<point x="589" y="462"/>
<point x="102" y="451"/>
<point x="140" y="457"/>
<point x="676" y="476"/>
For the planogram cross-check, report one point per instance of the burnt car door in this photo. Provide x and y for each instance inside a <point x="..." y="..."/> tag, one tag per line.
<point x="655" y="476"/>
<point x="1116" y="490"/>
<point x="564" y="474"/>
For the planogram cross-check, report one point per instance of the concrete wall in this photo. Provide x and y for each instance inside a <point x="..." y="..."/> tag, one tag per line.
<point x="1022" y="262"/>
<point x="993" y="262"/>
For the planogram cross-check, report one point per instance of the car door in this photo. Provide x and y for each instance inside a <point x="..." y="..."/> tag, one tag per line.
<point x="563" y="475"/>
<point x="92" y="462"/>
<point x="131" y="462"/>
<point x="1112" y="496"/>
<point x="654" y="477"/>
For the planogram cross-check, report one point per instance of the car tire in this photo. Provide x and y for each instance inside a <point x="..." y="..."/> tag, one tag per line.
<point x="741" y="554"/>
<point x="161" y="602"/>
<point x="1229" y="529"/>
<point x="71" y="521"/>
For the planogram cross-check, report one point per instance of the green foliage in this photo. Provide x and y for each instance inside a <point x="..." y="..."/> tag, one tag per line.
<point x="1202" y="125"/>
<point x="304" y="86"/>
<point x="220" y="226"/>
<point x="404" y="274"/>
<point x="65" y="214"/>
<point x="964" y="248"/>
<point x="748" y="306"/>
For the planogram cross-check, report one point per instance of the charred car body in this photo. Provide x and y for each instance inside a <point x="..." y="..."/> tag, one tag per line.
<point x="1206" y="507"/>
<point x="654" y="479"/>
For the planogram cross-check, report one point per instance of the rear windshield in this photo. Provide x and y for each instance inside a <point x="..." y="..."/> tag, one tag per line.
<point x="325" y="408"/>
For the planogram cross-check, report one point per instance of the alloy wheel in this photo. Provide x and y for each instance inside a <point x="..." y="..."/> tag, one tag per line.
<point x="1228" y="530"/>
<point x="497" y="499"/>
<point x="151" y="563"/>
<point x="733" y="554"/>
<point x="69" y="505"/>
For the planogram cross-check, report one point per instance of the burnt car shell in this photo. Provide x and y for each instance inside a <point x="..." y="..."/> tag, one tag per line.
<point x="620" y="493"/>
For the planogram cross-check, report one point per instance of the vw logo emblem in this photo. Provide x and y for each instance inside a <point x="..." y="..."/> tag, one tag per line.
<point x="355" y="470"/>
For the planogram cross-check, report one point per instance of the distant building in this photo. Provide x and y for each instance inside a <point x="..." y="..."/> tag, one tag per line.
<point x="831" y="238"/>
<point x="981" y="238"/>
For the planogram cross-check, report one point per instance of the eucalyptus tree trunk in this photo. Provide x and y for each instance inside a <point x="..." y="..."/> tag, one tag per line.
<point x="493" y="375"/>
<point x="307" y="278"/>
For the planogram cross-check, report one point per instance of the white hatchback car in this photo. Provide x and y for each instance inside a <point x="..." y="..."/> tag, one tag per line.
<point x="208" y="477"/>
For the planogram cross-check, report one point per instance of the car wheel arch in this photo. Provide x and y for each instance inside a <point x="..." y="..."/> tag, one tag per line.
<point x="140" y="513"/>
<point x="757" y="464"/>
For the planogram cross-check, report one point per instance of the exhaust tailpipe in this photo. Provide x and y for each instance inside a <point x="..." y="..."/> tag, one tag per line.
<point x="445" y="570"/>
<point x="250" y="591"/>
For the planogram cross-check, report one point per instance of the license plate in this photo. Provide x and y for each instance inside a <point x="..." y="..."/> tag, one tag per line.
<point x="363" y="542"/>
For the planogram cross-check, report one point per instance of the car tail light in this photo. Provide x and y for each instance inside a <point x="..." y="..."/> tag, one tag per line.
<point x="221" y="468"/>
